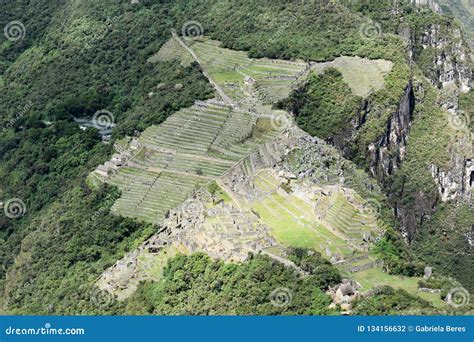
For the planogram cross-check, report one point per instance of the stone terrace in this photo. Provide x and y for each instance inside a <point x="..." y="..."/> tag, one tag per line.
<point x="191" y="148"/>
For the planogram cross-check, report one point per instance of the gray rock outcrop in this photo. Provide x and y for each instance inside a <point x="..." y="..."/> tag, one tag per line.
<point x="387" y="153"/>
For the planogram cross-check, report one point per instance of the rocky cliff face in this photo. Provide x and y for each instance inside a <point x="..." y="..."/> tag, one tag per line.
<point x="454" y="76"/>
<point x="445" y="59"/>
<point x="456" y="182"/>
<point x="451" y="56"/>
<point x="441" y="51"/>
<point x="443" y="56"/>
<point x="433" y="4"/>
<point x="387" y="153"/>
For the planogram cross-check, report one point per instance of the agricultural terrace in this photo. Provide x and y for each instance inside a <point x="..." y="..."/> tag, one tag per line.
<point x="297" y="220"/>
<point x="363" y="76"/>
<point x="170" y="51"/>
<point x="252" y="82"/>
<point x="198" y="144"/>
<point x="191" y="148"/>
<point x="248" y="81"/>
<point x="330" y="219"/>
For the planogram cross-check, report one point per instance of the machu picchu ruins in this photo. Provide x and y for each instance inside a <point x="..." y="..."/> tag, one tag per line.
<point x="236" y="158"/>
<point x="274" y="186"/>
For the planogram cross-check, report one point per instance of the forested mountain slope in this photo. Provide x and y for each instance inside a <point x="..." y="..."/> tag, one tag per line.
<point x="463" y="10"/>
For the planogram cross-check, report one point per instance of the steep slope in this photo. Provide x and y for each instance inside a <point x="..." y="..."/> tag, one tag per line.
<point x="292" y="192"/>
<point x="421" y="172"/>
<point x="46" y="157"/>
<point x="463" y="10"/>
<point x="79" y="58"/>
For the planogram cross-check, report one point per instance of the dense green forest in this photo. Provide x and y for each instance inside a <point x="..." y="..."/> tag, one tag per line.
<point x="325" y="105"/>
<point x="389" y="301"/>
<point x="45" y="157"/>
<point x="78" y="57"/>
<point x="199" y="286"/>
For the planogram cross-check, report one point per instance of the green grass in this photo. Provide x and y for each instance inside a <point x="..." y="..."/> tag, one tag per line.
<point x="220" y="194"/>
<point x="297" y="229"/>
<point x="265" y="182"/>
<point x="286" y="230"/>
<point x="346" y="218"/>
<point x="228" y="76"/>
<point x="222" y="63"/>
<point x="294" y="222"/>
<point x="177" y="158"/>
<point x="156" y="262"/>
<point x="363" y="75"/>
<point x="375" y="277"/>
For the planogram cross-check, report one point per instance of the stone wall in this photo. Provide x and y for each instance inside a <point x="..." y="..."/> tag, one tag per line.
<point x="366" y="266"/>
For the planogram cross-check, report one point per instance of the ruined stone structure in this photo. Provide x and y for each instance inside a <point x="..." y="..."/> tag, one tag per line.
<point x="226" y="230"/>
<point x="223" y="232"/>
<point x="238" y="178"/>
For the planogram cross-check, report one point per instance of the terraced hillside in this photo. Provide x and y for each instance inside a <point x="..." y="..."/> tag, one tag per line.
<point x="272" y="80"/>
<point x="172" y="50"/>
<point x="214" y="175"/>
<point x="332" y="219"/>
<point x="197" y="144"/>
<point x="251" y="208"/>
<point x="329" y="206"/>
<point x="191" y="148"/>
<point x="363" y="76"/>
<point x="257" y="206"/>
<point x="328" y="215"/>
<point x="250" y="82"/>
